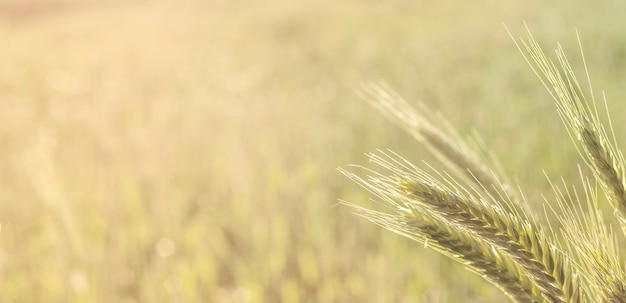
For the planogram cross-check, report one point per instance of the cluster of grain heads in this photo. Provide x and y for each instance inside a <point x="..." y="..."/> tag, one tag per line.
<point x="475" y="217"/>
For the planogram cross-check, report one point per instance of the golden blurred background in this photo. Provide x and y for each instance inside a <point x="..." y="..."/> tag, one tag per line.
<point x="186" y="151"/>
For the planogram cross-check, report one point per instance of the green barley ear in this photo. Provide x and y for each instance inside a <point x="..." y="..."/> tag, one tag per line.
<point x="582" y="121"/>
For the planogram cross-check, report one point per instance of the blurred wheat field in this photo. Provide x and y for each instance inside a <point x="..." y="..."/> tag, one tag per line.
<point x="156" y="151"/>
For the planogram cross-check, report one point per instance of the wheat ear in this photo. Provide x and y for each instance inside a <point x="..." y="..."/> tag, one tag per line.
<point x="583" y="123"/>
<point x="518" y="238"/>
<point x="444" y="142"/>
<point x="529" y="248"/>
<point x="476" y="254"/>
<point x="446" y="237"/>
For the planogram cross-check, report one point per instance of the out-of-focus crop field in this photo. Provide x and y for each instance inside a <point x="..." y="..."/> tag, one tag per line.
<point x="186" y="151"/>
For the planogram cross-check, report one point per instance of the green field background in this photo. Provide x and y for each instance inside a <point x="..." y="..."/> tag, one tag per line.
<point x="186" y="151"/>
